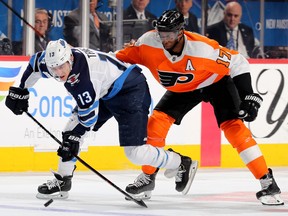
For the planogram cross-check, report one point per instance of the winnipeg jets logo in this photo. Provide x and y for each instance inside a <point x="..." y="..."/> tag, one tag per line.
<point x="73" y="79"/>
<point x="169" y="79"/>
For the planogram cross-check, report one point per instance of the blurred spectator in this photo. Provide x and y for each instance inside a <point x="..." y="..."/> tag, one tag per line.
<point x="5" y="45"/>
<point x="43" y="23"/>
<point x="98" y="33"/>
<point x="184" y="6"/>
<point x="231" y="33"/>
<point x="137" y="20"/>
<point x="137" y="10"/>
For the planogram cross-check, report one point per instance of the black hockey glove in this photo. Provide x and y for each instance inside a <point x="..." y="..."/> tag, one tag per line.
<point x="70" y="146"/>
<point x="17" y="100"/>
<point x="249" y="107"/>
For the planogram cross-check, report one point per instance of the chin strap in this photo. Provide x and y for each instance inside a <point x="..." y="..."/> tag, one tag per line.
<point x="71" y="63"/>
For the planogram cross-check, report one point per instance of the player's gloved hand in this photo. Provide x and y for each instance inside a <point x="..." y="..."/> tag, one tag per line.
<point x="249" y="107"/>
<point x="17" y="100"/>
<point x="70" y="146"/>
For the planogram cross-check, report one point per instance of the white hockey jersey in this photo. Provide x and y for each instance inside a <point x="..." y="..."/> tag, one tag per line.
<point x="92" y="75"/>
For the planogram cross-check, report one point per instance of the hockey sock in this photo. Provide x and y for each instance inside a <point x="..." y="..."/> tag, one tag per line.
<point x="66" y="168"/>
<point x="240" y="138"/>
<point x="156" y="157"/>
<point x="159" y="124"/>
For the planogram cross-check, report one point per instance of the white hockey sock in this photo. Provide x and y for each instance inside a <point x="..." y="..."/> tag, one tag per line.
<point x="153" y="156"/>
<point x="66" y="168"/>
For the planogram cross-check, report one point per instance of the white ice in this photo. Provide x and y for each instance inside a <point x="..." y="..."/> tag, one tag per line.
<point x="214" y="192"/>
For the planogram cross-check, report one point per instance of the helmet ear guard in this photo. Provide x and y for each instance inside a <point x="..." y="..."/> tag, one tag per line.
<point x="170" y="21"/>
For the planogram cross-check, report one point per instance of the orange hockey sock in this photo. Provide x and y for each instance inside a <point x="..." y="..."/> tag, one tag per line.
<point x="241" y="138"/>
<point x="258" y="167"/>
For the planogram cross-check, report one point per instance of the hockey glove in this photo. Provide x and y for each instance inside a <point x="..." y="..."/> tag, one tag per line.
<point x="70" y="146"/>
<point x="17" y="100"/>
<point x="249" y="107"/>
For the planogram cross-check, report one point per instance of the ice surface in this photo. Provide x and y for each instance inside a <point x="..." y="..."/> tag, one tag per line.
<point x="214" y="192"/>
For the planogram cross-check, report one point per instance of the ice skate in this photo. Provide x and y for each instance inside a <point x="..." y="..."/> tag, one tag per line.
<point x="56" y="189"/>
<point x="184" y="174"/>
<point x="270" y="193"/>
<point x="142" y="186"/>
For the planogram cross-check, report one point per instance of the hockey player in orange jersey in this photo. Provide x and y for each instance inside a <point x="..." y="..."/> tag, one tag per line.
<point x="193" y="69"/>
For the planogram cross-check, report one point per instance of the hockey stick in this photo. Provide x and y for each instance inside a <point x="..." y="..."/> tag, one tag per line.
<point x="139" y="202"/>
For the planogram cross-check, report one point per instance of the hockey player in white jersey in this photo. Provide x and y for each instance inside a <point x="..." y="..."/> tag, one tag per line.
<point x="103" y="87"/>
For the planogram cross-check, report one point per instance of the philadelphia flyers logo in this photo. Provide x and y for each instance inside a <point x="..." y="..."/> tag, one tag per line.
<point x="168" y="79"/>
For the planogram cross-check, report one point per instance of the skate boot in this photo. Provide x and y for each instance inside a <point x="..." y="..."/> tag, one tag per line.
<point x="184" y="174"/>
<point x="142" y="186"/>
<point x="270" y="193"/>
<point x="56" y="189"/>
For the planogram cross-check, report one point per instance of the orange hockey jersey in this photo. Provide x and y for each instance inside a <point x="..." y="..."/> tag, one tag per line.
<point x="202" y="62"/>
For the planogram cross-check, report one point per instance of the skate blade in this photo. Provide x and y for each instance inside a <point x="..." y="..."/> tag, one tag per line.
<point x="271" y="200"/>
<point x="58" y="195"/>
<point x="192" y="173"/>
<point x="141" y="196"/>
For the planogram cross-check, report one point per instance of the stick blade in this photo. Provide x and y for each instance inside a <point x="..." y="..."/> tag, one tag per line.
<point x="140" y="202"/>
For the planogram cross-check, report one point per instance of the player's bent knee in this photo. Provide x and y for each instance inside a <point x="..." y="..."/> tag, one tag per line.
<point x="159" y="124"/>
<point x="237" y="134"/>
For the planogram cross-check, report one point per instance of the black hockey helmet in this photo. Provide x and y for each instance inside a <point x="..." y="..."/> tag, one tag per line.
<point x="170" y="20"/>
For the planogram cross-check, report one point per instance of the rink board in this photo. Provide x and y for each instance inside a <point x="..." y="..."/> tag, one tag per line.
<point x="113" y="158"/>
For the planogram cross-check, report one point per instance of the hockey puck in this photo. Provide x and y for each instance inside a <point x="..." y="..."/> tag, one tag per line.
<point x="48" y="202"/>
